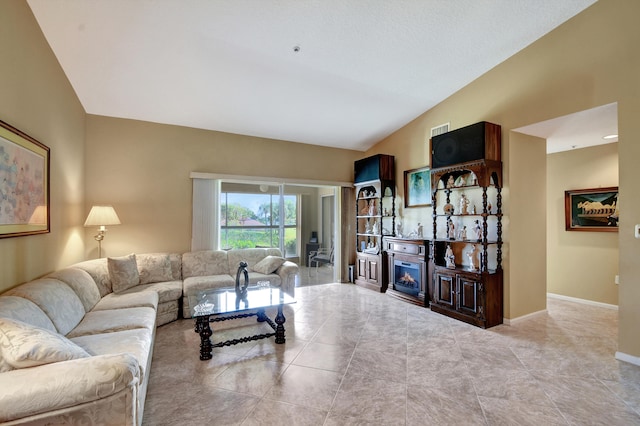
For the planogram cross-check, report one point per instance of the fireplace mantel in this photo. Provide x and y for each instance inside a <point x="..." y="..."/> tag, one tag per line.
<point x="409" y="258"/>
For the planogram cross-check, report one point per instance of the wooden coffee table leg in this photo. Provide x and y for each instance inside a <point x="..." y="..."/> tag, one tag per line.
<point x="202" y="326"/>
<point x="280" y="320"/>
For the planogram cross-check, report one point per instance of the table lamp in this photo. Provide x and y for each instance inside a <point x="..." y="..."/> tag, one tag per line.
<point x="101" y="216"/>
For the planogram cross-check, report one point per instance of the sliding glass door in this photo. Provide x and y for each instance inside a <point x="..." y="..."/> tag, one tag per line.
<point x="258" y="216"/>
<point x="242" y="212"/>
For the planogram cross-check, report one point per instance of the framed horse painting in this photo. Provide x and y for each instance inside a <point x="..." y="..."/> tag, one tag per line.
<point x="592" y="209"/>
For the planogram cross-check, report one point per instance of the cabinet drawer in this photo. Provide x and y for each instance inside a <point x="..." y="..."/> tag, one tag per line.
<point x="406" y="248"/>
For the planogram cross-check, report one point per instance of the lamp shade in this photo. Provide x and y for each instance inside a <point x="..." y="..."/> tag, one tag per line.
<point x="39" y="216"/>
<point x="102" y="215"/>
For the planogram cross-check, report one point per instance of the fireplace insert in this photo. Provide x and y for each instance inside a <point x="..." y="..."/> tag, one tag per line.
<point x="407" y="277"/>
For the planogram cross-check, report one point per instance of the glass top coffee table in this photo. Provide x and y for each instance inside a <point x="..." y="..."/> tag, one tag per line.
<point x="222" y="304"/>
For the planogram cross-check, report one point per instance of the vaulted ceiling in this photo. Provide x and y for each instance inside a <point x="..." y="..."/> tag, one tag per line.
<point x="340" y="73"/>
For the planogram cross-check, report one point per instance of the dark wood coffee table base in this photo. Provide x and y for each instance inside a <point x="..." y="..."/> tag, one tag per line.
<point x="202" y="327"/>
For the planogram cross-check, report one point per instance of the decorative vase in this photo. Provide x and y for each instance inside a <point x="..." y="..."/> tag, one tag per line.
<point x="241" y="289"/>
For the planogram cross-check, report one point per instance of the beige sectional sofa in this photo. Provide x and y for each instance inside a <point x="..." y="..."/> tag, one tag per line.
<point x="68" y="358"/>
<point x="76" y="346"/>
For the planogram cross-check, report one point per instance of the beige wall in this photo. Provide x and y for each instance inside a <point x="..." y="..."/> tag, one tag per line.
<point x="143" y="170"/>
<point x="36" y="98"/>
<point x="524" y="225"/>
<point x="589" y="61"/>
<point x="581" y="264"/>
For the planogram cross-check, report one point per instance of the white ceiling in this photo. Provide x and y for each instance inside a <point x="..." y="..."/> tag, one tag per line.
<point x="363" y="70"/>
<point x="579" y="130"/>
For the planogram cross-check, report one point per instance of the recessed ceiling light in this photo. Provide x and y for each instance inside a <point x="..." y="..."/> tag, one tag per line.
<point x="610" y="137"/>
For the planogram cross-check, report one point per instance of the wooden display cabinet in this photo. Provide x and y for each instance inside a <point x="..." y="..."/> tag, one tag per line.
<point x="375" y="218"/>
<point x="467" y="279"/>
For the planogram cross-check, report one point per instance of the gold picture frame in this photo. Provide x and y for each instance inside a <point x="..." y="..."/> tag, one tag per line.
<point x="592" y="210"/>
<point x="24" y="184"/>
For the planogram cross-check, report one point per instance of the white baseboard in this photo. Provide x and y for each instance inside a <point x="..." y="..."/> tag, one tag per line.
<point x="628" y="358"/>
<point x="511" y="321"/>
<point x="583" y="301"/>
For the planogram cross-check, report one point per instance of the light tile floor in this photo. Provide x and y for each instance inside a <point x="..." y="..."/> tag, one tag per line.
<point x="314" y="276"/>
<point x="357" y="357"/>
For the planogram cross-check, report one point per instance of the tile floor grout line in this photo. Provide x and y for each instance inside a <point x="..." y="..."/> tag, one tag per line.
<point x="346" y="370"/>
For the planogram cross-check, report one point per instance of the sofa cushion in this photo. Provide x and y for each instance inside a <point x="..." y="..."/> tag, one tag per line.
<point x="61" y="304"/>
<point x="176" y="265"/>
<point x="92" y="381"/>
<point x="148" y="299"/>
<point x="166" y="291"/>
<point x="82" y="283"/>
<point x="24" y="310"/>
<point x="154" y="268"/>
<point x="273" y="251"/>
<point x="107" y="321"/>
<point x="168" y="308"/>
<point x="24" y="345"/>
<point x="268" y="265"/>
<point x="4" y="365"/>
<point x="136" y="342"/>
<point x="99" y="271"/>
<point x="205" y="263"/>
<point x="123" y="272"/>
<point x="252" y="256"/>
<point x="163" y="318"/>
<point x="195" y="284"/>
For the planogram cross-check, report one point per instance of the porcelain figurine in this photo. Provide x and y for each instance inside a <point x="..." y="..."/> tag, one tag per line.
<point x="451" y="183"/>
<point x="478" y="230"/>
<point x="464" y="204"/>
<point x="451" y="232"/>
<point x="449" y="258"/>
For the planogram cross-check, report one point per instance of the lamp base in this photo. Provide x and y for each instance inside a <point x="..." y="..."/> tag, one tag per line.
<point x="99" y="237"/>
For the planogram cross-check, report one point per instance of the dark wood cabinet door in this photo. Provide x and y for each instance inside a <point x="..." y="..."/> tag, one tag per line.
<point x="444" y="289"/>
<point x="361" y="270"/>
<point x="373" y="266"/>
<point x="467" y="294"/>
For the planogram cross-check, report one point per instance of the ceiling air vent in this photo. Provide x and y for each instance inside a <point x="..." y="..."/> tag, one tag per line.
<point x="438" y="130"/>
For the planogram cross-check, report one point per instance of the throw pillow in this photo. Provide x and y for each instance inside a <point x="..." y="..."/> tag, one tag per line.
<point x="154" y="268"/>
<point x="123" y="272"/>
<point x="268" y="265"/>
<point x="25" y="345"/>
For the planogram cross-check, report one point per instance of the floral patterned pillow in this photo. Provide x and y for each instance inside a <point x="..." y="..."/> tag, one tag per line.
<point x="123" y="272"/>
<point x="23" y="345"/>
<point x="268" y="265"/>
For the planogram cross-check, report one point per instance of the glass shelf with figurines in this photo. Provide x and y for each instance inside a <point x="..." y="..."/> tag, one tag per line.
<point x="467" y="209"/>
<point x="375" y="218"/>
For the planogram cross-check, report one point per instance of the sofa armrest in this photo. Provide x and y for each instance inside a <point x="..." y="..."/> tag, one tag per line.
<point x="37" y="390"/>
<point x="287" y="272"/>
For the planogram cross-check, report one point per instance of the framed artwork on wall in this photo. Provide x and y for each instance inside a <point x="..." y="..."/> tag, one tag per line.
<point x="594" y="210"/>
<point x="24" y="184"/>
<point x="417" y="187"/>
